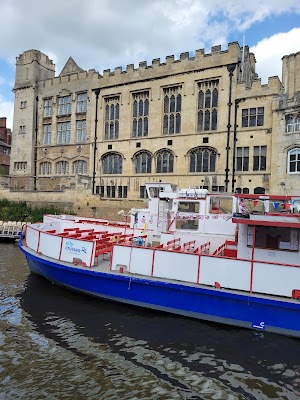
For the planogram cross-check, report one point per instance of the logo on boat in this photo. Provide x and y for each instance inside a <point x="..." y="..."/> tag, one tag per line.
<point x="260" y="326"/>
<point x="73" y="249"/>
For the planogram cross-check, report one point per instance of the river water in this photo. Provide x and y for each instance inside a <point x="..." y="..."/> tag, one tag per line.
<point x="55" y="344"/>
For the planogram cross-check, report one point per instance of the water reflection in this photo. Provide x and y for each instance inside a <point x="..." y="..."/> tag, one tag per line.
<point x="56" y="344"/>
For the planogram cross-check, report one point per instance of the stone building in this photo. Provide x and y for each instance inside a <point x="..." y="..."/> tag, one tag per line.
<point x="5" y="141"/>
<point x="197" y="121"/>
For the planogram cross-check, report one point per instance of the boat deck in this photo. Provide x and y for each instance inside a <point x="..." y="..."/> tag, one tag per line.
<point x="104" y="267"/>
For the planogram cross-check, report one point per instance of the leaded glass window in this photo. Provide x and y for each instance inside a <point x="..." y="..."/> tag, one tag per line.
<point x="203" y="159"/>
<point x="112" y="116"/>
<point x="172" y="110"/>
<point x="140" y="113"/>
<point x="208" y="95"/>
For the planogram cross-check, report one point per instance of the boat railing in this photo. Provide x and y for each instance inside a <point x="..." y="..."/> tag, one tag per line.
<point x="203" y="249"/>
<point x="227" y="249"/>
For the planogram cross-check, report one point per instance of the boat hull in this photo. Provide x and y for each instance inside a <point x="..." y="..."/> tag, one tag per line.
<point x="217" y="305"/>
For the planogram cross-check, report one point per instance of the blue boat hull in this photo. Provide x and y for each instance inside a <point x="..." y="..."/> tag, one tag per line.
<point x="243" y="310"/>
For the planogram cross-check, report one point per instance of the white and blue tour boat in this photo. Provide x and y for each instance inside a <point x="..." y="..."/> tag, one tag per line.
<point x="232" y="259"/>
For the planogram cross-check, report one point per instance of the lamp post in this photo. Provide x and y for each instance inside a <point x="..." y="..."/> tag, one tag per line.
<point x="35" y="143"/>
<point x="230" y="69"/>
<point x="236" y="106"/>
<point x="97" y="92"/>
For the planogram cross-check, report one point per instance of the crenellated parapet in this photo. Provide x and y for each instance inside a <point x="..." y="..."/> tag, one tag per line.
<point x="185" y="63"/>
<point x="273" y="87"/>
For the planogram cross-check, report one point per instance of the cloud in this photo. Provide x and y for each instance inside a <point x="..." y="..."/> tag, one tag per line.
<point x="6" y="110"/>
<point x="102" y="34"/>
<point x="108" y="34"/>
<point x="269" y="52"/>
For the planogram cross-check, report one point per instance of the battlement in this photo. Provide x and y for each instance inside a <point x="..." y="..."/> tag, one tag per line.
<point x="195" y="60"/>
<point x="35" y="55"/>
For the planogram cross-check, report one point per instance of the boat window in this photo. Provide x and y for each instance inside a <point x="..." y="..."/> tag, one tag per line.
<point x="188" y="224"/>
<point x="188" y="206"/>
<point x="220" y="205"/>
<point x="267" y="237"/>
<point x="154" y="192"/>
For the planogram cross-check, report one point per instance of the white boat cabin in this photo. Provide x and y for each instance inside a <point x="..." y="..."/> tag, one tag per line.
<point x="186" y="210"/>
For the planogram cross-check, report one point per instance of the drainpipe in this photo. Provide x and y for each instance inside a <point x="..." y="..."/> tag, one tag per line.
<point x="236" y="106"/>
<point x="230" y="68"/>
<point x="35" y="143"/>
<point x="97" y="92"/>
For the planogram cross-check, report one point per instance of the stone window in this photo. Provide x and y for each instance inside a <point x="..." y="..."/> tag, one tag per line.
<point x="111" y="192"/>
<point x="64" y="105"/>
<point x="22" y="129"/>
<point x="260" y="158"/>
<point x="23" y="104"/>
<point x="143" y="192"/>
<point x="294" y="161"/>
<point x="252" y="117"/>
<point x="164" y="161"/>
<point x="63" y="132"/>
<point x="20" y="165"/>
<point x="48" y="107"/>
<point x="45" y="168"/>
<point x="142" y="162"/>
<point x="79" y="167"/>
<point x="112" y="117"/>
<point x="81" y="102"/>
<point x="112" y="163"/>
<point x="202" y="159"/>
<point x="172" y="110"/>
<point x="81" y="131"/>
<point x="292" y="123"/>
<point x="122" y="192"/>
<point x="208" y="96"/>
<point x="47" y="134"/>
<point x="242" y="159"/>
<point x="62" y="167"/>
<point x="140" y="114"/>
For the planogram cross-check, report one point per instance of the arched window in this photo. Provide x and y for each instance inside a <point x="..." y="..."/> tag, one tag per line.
<point x="112" y="115"/>
<point x="164" y="161"/>
<point x="45" y="168"/>
<point x="112" y="163"/>
<point x="203" y="159"/>
<point x="259" y="190"/>
<point x="140" y="113"/>
<point x="79" y="167"/>
<point x="297" y="123"/>
<point x="294" y="161"/>
<point x="172" y="110"/>
<point x="208" y="96"/>
<point x="62" y="167"/>
<point x="142" y="162"/>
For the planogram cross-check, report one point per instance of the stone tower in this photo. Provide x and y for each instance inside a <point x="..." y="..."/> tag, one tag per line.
<point x="31" y="67"/>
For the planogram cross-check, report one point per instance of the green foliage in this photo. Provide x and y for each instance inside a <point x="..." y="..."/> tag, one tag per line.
<point x="19" y="211"/>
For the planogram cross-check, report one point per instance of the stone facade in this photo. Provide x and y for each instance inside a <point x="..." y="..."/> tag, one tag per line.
<point x="204" y="121"/>
<point x="5" y="141"/>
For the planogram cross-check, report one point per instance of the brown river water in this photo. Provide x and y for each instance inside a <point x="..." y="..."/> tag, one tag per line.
<point x="55" y="344"/>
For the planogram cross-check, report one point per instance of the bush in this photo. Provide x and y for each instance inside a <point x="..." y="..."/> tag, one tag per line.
<point x="19" y="211"/>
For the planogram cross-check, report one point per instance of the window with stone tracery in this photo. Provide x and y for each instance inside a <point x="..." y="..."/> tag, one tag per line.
<point x="293" y="123"/>
<point x="112" y="163"/>
<point x="164" y="161"/>
<point x="112" y="117"/>
<point x="62" y="167"/>
<point x="203" y="159"/>
<point x="172" y="110"/>
<point x="140" y="113"/>
<point x="208" y="96"/>
<point x="142" y="162"/>
<point x="45" y="168"/>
